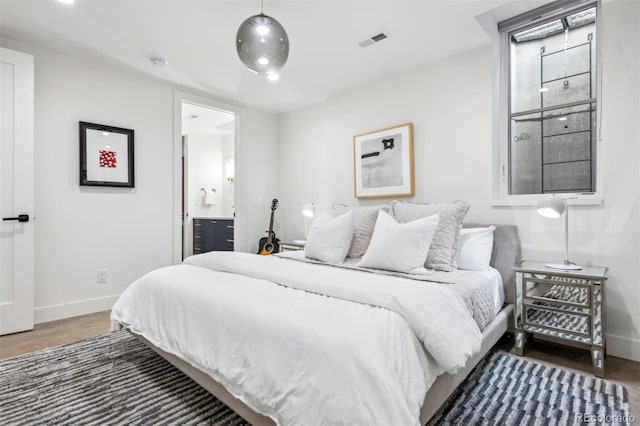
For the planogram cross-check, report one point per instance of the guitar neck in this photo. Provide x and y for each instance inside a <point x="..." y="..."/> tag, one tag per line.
<point x="270" y="235"/>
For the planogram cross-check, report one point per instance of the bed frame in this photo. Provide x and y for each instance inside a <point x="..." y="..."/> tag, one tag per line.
<point x="506" y="253"/>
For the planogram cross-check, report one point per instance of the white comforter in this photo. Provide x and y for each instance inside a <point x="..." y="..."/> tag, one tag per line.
<point x="302" y="357"/>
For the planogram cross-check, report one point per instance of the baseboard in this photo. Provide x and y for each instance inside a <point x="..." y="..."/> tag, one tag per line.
<point x="73" y="309"/>
<point x="623" y="347"/>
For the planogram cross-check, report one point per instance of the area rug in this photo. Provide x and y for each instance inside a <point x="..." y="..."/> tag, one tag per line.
<point x="508" y="390"/>
<point x="115" y="379"/>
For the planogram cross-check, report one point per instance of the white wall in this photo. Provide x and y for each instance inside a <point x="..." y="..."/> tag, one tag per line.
<point x="449" y="103"/>
<point x="79" y="230"/>
<point x="257" y="176"/>
<point x="205" y="171"/>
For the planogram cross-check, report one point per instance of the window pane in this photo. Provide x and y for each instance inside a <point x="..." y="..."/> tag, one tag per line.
<point x="526" y="155"/>
<point x="582" y="18"/>
<point x="525" y="76"/>
<point x="541" y="31"/>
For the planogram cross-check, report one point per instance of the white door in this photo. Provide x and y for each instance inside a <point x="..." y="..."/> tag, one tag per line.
<point x="16" y="191"/>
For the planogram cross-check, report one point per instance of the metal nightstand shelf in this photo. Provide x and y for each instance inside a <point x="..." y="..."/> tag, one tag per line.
<point x="567" y="307"/>
<point x="291" y="246"/>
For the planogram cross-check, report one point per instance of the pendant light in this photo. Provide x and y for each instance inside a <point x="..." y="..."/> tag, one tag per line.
<point x="262" y="44"/>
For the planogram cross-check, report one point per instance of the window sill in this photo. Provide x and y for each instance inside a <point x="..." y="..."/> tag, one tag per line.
<point x="532" y="200"/>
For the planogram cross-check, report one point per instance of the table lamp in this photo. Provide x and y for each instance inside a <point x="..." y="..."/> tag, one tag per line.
<point x="553" y="207"/>
<point x="308" y="211"/>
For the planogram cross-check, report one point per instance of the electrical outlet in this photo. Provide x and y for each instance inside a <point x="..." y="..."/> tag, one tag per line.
<point x="102" y="276"/>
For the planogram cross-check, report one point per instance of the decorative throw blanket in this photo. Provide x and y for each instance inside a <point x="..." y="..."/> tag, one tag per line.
<point x="470" y="285"/>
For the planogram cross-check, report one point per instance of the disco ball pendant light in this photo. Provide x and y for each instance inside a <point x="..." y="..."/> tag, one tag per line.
<point x="262" y="44"/>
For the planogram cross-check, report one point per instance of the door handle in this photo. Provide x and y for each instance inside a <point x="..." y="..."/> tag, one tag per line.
<point x="20" y="218"/>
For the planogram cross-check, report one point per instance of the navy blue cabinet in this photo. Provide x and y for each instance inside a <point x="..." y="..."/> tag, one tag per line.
<point x="212" y="234"/>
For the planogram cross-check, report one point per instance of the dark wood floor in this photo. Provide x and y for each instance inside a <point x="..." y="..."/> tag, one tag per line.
<point x="618" y="370"/>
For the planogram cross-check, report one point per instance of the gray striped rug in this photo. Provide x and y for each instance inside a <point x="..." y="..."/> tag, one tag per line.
<point x="108" y="380"/>
<point x="114" y="380"/>
<point x="507" y="390"/>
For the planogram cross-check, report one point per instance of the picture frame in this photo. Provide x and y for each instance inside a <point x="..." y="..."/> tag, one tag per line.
<point x="383" y="162"/>
<point x="106" y="155"/>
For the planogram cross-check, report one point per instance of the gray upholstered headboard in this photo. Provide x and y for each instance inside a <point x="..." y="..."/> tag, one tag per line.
<point x="506" y="253"/>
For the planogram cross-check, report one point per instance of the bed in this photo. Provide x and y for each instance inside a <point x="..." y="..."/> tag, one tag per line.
<point x="278" y="349"/>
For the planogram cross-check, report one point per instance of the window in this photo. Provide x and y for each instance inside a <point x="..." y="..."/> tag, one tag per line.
<point x="550" y="125"/>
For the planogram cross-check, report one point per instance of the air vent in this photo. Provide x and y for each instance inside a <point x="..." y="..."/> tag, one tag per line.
<point x="376" y="38"/>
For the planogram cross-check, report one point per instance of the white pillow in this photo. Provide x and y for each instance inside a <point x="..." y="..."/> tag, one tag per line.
<point x="328" y="240"/>
<point x="400" y="247"/>
<point x="474" y="248"/>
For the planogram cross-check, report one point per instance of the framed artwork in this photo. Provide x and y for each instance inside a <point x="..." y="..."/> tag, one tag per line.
<point x="383" y="162"/>
<point x="106" y="156"/>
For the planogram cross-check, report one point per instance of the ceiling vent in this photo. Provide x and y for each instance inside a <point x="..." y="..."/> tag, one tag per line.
<point x="158" y="62"/>
<point x="376" y="38"/>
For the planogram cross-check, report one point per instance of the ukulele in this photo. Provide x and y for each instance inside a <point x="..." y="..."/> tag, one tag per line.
<point x="269" y="244"/>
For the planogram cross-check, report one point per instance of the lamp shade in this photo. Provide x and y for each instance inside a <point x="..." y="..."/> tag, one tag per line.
<point x="262" y="44"/>
<point x="551" y="207"/>
<point x="309" y="210"/>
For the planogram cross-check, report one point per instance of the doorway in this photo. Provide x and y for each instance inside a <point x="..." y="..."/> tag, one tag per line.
<point x="208" y="190"/>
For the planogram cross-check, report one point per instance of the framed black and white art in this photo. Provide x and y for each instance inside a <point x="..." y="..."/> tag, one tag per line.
<point x="383" y="162"/>
<point x="106" y="156"/>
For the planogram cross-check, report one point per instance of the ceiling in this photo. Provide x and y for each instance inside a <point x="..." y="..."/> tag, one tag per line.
<point x="197" y="39"/>
<point x="198" y="119"/>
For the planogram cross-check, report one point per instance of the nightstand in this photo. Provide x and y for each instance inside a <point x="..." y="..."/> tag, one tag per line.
<point x="566" y="307"/>
<point x="291" y="246"/>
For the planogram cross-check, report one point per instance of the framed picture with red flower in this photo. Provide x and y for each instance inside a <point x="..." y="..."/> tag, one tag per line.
<point x="106" y="155"/>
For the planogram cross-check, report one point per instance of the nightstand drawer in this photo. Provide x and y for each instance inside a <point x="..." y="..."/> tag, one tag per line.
<point x="552" y="291"/>
<point x="555" y="318"/>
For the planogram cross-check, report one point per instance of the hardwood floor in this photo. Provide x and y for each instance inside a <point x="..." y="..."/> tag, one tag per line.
<point x="618" y="370"/>
<point x="54" y="333"/>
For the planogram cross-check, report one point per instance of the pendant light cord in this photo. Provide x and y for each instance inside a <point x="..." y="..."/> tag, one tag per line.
<point x="262" y="7"/>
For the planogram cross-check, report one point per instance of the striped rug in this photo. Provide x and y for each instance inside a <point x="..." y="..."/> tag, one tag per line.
<point x="116" y="380"/>
<point x="107" y="380"/>
<point x="507" y="390"/>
